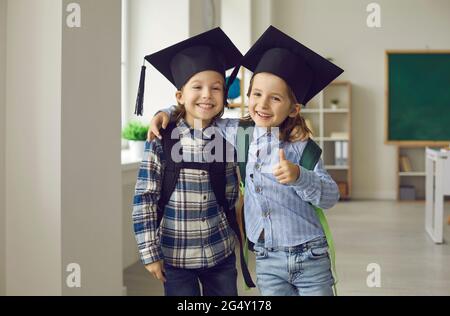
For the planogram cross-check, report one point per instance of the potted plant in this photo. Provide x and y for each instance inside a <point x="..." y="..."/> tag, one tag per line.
<point x="334" y="104"/>
<point x="136" y="134"/>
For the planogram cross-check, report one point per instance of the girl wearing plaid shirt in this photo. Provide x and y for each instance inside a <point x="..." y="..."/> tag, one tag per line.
<point x="194" y="242"/>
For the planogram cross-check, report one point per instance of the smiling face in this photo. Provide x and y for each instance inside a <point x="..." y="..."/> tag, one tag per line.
<point x="269" y="101"/>
<point x="202" y="97"/>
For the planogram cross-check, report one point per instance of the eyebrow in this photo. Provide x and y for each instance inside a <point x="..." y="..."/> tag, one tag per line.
<point x="272" y="93"/>
<point x="215" y="82"/>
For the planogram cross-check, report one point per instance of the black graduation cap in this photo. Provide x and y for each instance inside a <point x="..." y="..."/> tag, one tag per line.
<point x="306" y="72"/>
<point x="211" y="50"/>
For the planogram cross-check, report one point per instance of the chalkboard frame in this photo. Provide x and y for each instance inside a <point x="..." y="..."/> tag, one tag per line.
<point x="406" y="143"/>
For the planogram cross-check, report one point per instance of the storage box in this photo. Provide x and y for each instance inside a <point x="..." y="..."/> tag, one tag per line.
<point x="407" y="192"/>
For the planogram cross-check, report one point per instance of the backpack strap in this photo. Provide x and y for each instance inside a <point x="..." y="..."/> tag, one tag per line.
<point x="310" y="157"/>
<point x="217" y="177"/>
<point x="243" y="141"/>
<point x="171" y="170"/>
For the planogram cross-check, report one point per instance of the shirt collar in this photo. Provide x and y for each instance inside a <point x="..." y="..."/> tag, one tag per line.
<point x="187" y="131"/>
<point x="264" y="132"/>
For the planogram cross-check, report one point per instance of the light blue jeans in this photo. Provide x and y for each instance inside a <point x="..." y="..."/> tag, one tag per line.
<point x="288" y="271"/>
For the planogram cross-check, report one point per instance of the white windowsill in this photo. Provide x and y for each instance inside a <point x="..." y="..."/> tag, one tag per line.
<point x="129" y="163"/>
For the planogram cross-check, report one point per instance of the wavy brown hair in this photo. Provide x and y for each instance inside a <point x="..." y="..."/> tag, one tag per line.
<point x="292" y="128"/>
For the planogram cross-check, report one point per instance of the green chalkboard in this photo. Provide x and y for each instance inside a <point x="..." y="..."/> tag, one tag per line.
<point x="418" y="97"/>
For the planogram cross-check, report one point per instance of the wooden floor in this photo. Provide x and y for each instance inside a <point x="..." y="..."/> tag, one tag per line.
<point x="386" y="233"/>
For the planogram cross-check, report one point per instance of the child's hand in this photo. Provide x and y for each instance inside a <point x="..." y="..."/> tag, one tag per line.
<point x="157" y="269"/>
<point x="286" y="172"/>
<point x="159" y="120"/>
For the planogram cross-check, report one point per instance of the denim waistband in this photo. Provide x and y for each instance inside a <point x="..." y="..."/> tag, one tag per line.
<point x="298" y="248"/>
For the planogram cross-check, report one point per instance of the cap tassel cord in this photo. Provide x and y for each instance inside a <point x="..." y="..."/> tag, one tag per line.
<point x="139" y="109"/>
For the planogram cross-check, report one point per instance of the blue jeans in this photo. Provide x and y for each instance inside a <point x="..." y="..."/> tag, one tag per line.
<point x="220" y="280"/>
<point x="300" y="270"/>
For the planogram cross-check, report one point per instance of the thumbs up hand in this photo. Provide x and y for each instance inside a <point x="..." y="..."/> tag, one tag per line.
<point x="285" y="171"/>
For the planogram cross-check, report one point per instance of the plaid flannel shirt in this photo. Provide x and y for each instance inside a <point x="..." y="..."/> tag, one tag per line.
<point x="194" y="232"/>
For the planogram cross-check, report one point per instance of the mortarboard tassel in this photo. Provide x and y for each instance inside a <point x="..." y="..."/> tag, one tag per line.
<point x="139" y="109"/>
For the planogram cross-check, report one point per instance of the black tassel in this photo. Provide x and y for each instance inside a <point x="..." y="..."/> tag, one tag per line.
<point x="139" y="109"/>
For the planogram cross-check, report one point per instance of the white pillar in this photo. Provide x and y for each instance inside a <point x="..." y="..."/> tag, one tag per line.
<point x="33" y="160"/>
<point x="2" y="145"/>
<point x="63" y="186"/>
<point x="91" y="187"/>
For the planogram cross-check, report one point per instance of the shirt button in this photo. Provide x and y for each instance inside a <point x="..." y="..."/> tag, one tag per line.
<point x="203" y="173"/>
<point x="204" y="198"/>
<point x="258" y="189"/>
<point x="257" y="153"/>
<point x="203" y="219"/>
<point x="257" y="166"/>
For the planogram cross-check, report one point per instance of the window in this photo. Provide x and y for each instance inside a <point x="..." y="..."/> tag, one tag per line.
<point x="124" y="67"/>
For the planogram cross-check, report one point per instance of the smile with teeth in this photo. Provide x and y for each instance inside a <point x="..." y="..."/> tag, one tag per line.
<point x="263" y="115"/>
<point x="205" y="106"/>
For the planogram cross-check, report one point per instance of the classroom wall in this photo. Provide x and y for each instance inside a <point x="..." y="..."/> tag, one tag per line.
<point x="338" y="29"/>
<point x="153" y="26"/>
<point x="262" y="17"/>
<point x="203" y="15"/>
<point x="33" y="146"/>
<point x="2" y="146"/>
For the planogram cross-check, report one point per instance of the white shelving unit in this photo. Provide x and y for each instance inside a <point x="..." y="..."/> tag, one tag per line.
<point x="326" y="120"/>
<point x="415" y="177"/>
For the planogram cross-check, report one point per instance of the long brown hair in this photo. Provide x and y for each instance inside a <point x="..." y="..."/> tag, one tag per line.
<point x="291" y="128"/>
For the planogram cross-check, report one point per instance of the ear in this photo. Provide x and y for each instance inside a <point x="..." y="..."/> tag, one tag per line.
<point x="295" y="110"/>
<point x="179" y="97"/>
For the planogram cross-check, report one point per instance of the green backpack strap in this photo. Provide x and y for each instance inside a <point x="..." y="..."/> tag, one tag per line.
<point x="243" y="141"/>
<point x="310" y="157"/>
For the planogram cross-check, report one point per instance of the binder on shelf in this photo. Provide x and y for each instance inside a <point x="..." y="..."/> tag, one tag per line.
<point x="344" y="152"/>
<point x="338" y="153"/>
<point x="341" y="153"/>
<point x="407" y="192"/>
<point x="405" y="164"/>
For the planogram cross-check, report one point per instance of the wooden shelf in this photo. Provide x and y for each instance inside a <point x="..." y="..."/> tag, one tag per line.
<point x="336" y="167"/>
<point x="325" y="121"/>
<point x="415" y="177"/>
<point x="335" y="111"/>
<point x="412" y="174"/>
